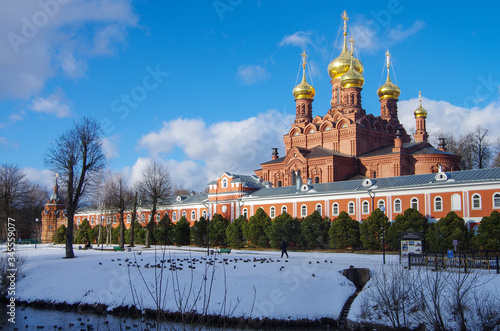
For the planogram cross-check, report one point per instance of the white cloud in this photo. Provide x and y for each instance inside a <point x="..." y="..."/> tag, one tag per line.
<point x="56" y="104"/>
<point x="299" y="38"/>
<point x="371" y="35"/>
<point x="77" y="30"/>
<point x="251" y="74"/>
<point x="442" y="116"/>
<point x="44" y="177"/>
<point x="110" y="147"/>
<point x="8" y="144"/>
<point x="234" y="146"/>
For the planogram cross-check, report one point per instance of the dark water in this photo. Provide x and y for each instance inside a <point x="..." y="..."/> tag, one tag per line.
<point x="27" y="318"/>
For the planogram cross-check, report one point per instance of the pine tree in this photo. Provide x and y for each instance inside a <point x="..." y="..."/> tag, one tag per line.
<point x="344" y="232"/>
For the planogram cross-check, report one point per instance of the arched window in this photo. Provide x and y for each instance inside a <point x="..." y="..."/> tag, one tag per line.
<point x="496" y="200"/>
<point x="476" y="201"/>
<point x="366" y="207"/>
<point x="204" y="214"/>
<point x="316" y="180"/>
<point x="438" y="204"/>
<point x="114" y="219"/>
<point x="335" y="209"/>
<point x="224" y="183"/>
<point x="319" y="209"/>
<point x="174" y="216"/>
<point x="128" y="218"/>
<point x="78" y="221"/>
<point x="184" y="213"/>
<point x="193" y="215"/>
<point x="350" y="208"/>
<point x="108" y="220"/>
<point x="245" y="213"/>
<point x="283" y="209"/>
<point x="456" y="202"/>
<point x="279" y="183"/>
<point x="381" y="203"/>
<point x="414" y="203"/>
<point x="272" y="212"/>
<point x="158" y="217"/>
<point x="397" y="206"/>
<point x="92" y="220"/>
<point x="303" y="211"/>
<point x="143" y="218"/>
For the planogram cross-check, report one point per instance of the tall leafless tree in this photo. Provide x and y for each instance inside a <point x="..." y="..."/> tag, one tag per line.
<point x="13" y="187"/>
<point x="154" y="187"/>
<point x="481" y="147"/>
<point x="78" y="158"/>
<point x="117" y="198"/>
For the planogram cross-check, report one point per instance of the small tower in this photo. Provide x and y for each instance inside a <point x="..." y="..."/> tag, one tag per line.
<point x="352" y="84"/>
<point x="420" y="116"/>
<point x="339" y="66"/>
<point x="52" y="215"/>
<point x="304" y="96"/>
<point x="389" y="94"/>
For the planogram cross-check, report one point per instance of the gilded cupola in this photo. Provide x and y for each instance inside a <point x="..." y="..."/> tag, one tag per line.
<point x="352" y="78"/>
<point x="341" y="64"/>
<point x="420" y="111"/>
<point x="304" y="90"/>
<point x="388" y="90"/>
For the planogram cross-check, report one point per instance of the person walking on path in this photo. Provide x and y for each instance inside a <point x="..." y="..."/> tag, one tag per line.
<point x="284" y="246"/>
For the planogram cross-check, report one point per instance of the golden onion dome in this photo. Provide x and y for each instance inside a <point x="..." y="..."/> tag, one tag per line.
<point x="352" y="78"/>
<point x="304" y="90"/>
<point x="341" y="64"/>
<point x="388" y="90"/>
<point x="420" y="111"/>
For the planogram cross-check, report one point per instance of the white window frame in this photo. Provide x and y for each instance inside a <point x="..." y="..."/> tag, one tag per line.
<point x="496" y="200"/>
<point x="284" y="209"/>
<point x="398" y="207"/>
<point x="129" y="218"/>
<point x="351" y="208"/>
<point x="412" y="201"/>
<point x="143" y="218"/>
<point x="459" y="201"/>
<point x="245" y="213"/>
<point x="335" y="209"/>
<point x="204" y="214"/>
<point x="381" y="203"/>
<point x="193" y="215"/>
<point x="438" y="200"/>
<point x="92" y="220"/>
<point x="303" y="211"/>
<point x="224" y="183"/>
<point x="272" y="212"/>
<point x="174" y="216"/>
<point x="365" y="207"/>
<point x="158" y="217"/>
<point x="476" y="197"/>
<point x="319" y="209"/>
<point x="184" y="214"/>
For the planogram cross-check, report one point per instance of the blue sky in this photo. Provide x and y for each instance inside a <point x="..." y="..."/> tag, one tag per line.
<point x="206" y="86"/>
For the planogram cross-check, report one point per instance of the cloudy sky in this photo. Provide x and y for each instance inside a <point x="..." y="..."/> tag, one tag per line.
<point x="206" y="86"/>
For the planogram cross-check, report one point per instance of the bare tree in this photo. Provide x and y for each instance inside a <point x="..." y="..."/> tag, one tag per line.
<point x="133" y="211"/>
<point x="480" y="147"/>
<point x="77" y="156"/>
<point x="118" y="196"/>
<point x="13" y="187"/>
<point x="155" y="187"/>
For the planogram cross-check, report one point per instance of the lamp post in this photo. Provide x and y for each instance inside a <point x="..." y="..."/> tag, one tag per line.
<point x="205" y="203"/>
<point x="36" y="231"/>
<point x="382" y="209"/>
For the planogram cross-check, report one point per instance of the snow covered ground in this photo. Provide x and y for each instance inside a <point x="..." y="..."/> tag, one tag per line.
<point x="244" y="283"/>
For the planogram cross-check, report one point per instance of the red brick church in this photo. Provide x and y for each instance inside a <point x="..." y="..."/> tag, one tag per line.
<point x="347" y="142"/>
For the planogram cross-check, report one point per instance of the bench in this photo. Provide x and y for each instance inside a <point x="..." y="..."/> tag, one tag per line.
<point x="225" y="250"/>
<point x="117" y="248"/>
